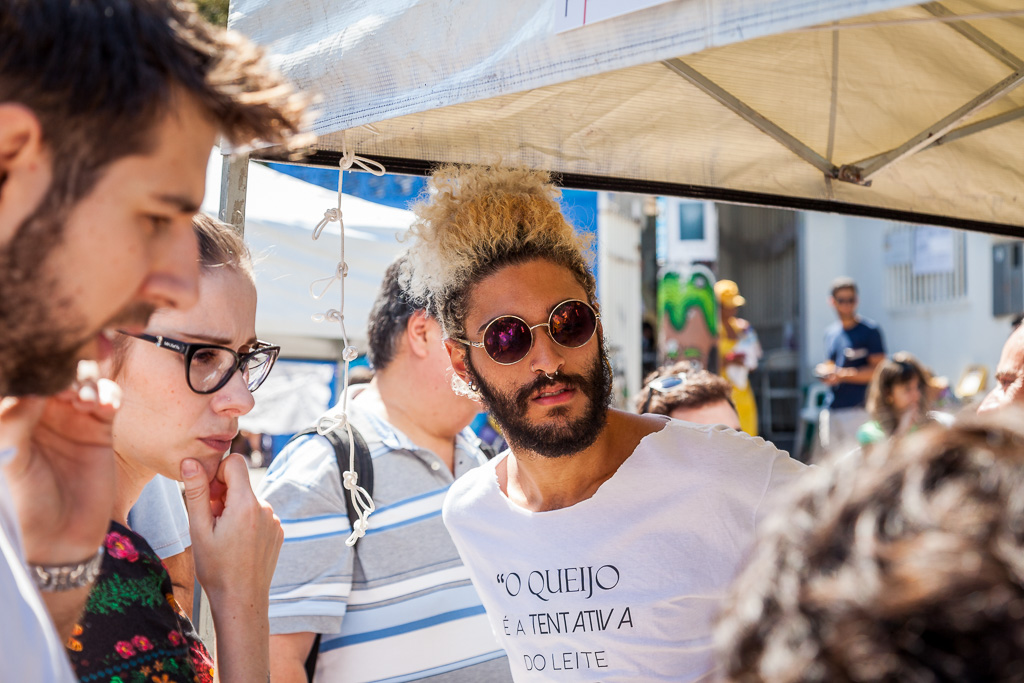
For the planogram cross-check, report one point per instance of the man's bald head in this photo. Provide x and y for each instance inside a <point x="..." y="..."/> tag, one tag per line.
<point x="1009" y="375"/>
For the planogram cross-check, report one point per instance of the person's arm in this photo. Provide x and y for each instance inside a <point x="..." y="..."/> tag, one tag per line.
<point x="182" y="569"/>
<point x="62" y="480"/>
<point x="861" y="375"/>
<point x="236" y="539"/>
<point x="288" y="654"/>
<point x="159" y="516"/>
<point x="304" y="486"/>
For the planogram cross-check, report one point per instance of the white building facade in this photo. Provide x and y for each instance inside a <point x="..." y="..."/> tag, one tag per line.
<point x="947" y="296"/>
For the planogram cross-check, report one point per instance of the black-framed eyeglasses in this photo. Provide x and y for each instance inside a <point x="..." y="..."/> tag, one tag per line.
<point x="508" y="338"/>
<point x="208" y="367"/>
<point x="663" y="384"/>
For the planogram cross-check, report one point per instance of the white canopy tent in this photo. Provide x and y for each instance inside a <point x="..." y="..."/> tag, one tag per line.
<point x="872" y="107"/>
<point x="281" y="213"/>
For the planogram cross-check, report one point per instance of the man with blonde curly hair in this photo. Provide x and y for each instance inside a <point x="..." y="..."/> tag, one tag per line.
<point x="601" y="542"/>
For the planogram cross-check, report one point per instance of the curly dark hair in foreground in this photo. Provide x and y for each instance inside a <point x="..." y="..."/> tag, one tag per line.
<point x="905" y="563"/>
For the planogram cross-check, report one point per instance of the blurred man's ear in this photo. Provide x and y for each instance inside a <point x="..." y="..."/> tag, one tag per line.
<point x="457" y="355"/>
<point x="25" y="169"/>
<point x="417" y="333"/>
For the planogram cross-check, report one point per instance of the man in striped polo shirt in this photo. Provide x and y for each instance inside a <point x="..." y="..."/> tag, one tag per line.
<point x="400" y="606"/>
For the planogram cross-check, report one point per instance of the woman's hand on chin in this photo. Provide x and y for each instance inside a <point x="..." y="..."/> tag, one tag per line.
<point x="235" y="536"/>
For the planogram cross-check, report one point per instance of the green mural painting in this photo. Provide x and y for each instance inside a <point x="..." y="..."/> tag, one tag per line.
<point x="687" y="315"/>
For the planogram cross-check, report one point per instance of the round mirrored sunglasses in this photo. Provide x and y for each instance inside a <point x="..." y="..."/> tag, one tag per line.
<point x="508" y="338"/>
<point x="208" y="367"/>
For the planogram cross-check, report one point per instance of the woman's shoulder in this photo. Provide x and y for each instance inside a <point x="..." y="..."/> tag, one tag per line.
<point x="132" y="624"/>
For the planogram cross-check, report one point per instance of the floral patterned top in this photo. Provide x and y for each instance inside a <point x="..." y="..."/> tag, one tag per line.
<point x="133" y="630"/>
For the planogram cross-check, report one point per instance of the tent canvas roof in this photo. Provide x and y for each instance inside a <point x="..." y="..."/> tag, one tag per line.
<point x="871" y="107"/>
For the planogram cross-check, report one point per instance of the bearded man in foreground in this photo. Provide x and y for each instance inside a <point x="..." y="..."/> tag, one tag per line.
<point x="602" y="541"/>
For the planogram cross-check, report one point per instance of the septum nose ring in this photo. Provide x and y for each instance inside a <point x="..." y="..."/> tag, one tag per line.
<point x="551" y="376"/>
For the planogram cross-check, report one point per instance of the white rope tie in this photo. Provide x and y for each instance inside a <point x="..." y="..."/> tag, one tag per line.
<point x="331" y="315"/>
<point x="330" y="216"/>
<point x="361" y="500"/>
<point x="340" y="272"/>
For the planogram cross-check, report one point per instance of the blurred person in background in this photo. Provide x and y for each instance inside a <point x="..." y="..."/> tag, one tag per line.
<point x="185" y="383"/>
<point x="898" y="399"/>
<point x="684" y="391"/>
<point x="853" y="347"/>
<point x="896" y="563"/>
<point x="738" y="353"/>
<point x="361" y="374"/>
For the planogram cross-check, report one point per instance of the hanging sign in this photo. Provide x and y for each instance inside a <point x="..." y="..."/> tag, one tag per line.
<point x="576" y="13"/>
<point x="934" y="251"/>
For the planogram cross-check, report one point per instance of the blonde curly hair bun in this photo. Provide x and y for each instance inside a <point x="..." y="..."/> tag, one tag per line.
<point x="475" y="220"/>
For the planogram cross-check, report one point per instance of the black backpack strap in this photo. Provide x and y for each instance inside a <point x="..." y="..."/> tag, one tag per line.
<point x="364" y="468"/>
<point x="363" y="465"/>
<point x="489" y="451"/>
<point x="311" y="659"/>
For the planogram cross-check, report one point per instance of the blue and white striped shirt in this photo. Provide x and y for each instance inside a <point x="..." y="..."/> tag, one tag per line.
<point x="399" y="608"/>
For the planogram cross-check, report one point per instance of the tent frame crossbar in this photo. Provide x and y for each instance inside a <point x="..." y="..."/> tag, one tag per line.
<point x="945" y="131"/>
<point x="752" y="116"/>
<point x="863" y="170"/>
<point x="980" y="126"/>
<point x="977" y="37"/>
<point x="941" y="132"/>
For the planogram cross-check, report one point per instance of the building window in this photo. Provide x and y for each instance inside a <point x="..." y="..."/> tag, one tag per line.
<point x="924" y="265"/>
<point x="1007" y="278"/>
<point x="691" y="221"/>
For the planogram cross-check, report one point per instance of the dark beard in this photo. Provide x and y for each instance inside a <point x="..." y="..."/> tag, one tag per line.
<point x="552" y="441"/>
<point x="36" y="358"/>
<point x="41" y="337"/>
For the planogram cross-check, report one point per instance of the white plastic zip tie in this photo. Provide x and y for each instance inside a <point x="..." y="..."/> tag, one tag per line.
<point x="362" y="502"/>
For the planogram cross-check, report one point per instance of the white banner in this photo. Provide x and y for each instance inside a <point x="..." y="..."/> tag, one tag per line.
<point x="934" y="251"/>
<point x="577" y="13"/>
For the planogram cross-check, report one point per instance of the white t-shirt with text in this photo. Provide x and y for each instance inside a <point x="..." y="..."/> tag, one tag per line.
<point x="623" y="586"/>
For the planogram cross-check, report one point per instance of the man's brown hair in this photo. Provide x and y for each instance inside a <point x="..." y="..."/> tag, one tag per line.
<point x="100" y="74"/>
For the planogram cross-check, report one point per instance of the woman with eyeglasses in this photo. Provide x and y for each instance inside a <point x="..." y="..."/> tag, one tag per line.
<point x="898" y="399"/>
<point x="185" y="382"/>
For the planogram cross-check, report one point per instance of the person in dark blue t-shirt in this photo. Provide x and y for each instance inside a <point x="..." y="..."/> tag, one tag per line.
<point x="853" y="347"/>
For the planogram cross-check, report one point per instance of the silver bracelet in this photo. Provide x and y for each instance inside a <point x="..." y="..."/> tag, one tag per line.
<point x="65" y="577"/>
